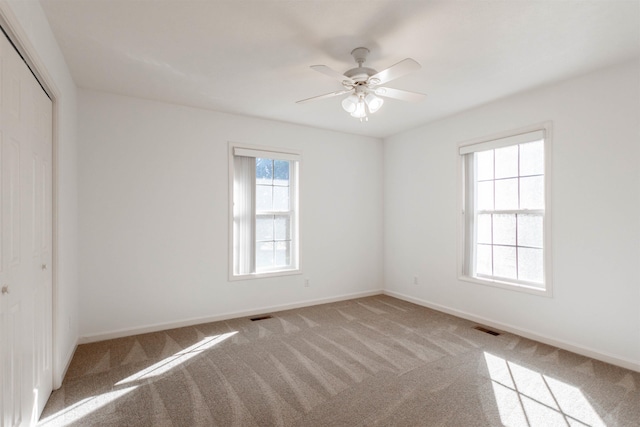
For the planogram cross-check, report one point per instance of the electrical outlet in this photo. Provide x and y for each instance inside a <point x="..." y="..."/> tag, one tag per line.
<point x="306" y="283"/>
<point x="415" y="280"/>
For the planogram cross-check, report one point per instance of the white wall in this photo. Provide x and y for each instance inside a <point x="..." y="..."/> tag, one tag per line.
<point x="595" y="215"/>
<point x="30" y="25"/>
<point x="154" y="215"/>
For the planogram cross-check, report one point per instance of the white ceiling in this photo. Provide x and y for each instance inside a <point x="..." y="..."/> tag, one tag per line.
<point x="253" y="57"/>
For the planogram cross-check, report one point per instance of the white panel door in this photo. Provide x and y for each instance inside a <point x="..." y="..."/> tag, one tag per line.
<point x="41" y="243"/>
<point x="25" y="242"/>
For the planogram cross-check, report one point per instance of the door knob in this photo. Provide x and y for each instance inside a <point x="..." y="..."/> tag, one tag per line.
<point x="5" y="289"/>
<point x="44" y="266"/>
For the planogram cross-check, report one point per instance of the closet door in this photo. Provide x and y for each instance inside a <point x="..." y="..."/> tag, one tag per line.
<point x="40" y="169"/>
<point x="25" y="242"/>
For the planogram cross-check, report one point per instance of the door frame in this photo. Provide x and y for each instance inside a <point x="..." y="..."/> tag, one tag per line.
<point x="13" y="29"/>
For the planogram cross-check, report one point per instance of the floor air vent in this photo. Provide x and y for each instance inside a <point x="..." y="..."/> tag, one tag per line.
<point x="253" y="319"/>
<point x="487" y="331"/>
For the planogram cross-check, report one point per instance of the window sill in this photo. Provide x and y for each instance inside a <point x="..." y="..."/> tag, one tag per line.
<point x="545" y="292"/>
<point x="265" y="275"/>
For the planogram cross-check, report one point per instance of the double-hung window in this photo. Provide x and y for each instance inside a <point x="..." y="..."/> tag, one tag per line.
<point x="264" y="195"/>
<point x="506" y="230"/>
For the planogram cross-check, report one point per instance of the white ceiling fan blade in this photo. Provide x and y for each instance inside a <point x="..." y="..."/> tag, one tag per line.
<point x="326" y="95"/>
<point x="332" y="73"/>
<point x="403" y="95"/>
<point x="400" y="69"/>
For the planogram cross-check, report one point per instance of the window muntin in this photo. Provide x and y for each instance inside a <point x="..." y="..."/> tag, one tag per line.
<point x="504" y="211"/>
<point x="265" y="212"/>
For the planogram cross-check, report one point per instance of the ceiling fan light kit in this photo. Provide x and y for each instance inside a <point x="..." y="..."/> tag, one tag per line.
<point x="350" y="103"/>
<point x="373" y="102"/>
<point x="361" y="83"/>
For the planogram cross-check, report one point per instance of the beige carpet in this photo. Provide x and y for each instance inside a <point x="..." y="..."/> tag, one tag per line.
<point x="364" y="362"/>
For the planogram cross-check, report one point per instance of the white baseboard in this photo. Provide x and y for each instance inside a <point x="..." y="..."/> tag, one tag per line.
<point x="565" y="345"/>
<point x="225" y="316"/>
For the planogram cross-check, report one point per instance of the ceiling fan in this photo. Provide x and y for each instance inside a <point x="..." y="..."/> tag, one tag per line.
<point x="363" y="85"/>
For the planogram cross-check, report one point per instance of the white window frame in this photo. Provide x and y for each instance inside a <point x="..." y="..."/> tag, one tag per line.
<point x="508" y="138"/>
<point x="294" y="212"/>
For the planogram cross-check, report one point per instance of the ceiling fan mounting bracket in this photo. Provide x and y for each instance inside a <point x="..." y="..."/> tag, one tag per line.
<point x="360" y="55"/>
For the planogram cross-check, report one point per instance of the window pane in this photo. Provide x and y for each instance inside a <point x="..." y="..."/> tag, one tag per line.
<point x="264" y="255"/>
<point x="485" y="195"/>
<point x="282" y="228"/>
<point x="504" y="262"/>
<point x="484" y="165"/>
<point x="283" y="250"/>
<point x="264" y="171"/>
<point x="530" y="230"/>
<point x="507" y="194"/>
<point x="281" y="172"/>
<point x="264" y="198"/>
<point x="530" y="265"/>
<point x="506" y="162"/>
<point x="532" y="158"/>
<point x="483" y="229"/>
<point x="280" y="198"/>
<point x="504" y="230"/>
<point x="483" y="260"/>
<point x="532" y="192"/>
<point x="264" y="228"/>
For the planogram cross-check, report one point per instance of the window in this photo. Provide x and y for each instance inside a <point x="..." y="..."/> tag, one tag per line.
<point x="264" y="194"/>
<point x="505" y="211"/>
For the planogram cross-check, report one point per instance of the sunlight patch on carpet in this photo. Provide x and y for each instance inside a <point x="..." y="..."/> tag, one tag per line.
<point x="86" y="406"/>
<point x="527" y="397"/>
<point x="165" y="365"/>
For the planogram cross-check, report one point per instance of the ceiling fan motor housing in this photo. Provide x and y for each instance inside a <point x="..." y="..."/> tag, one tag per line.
<point x="360" y="74"/>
